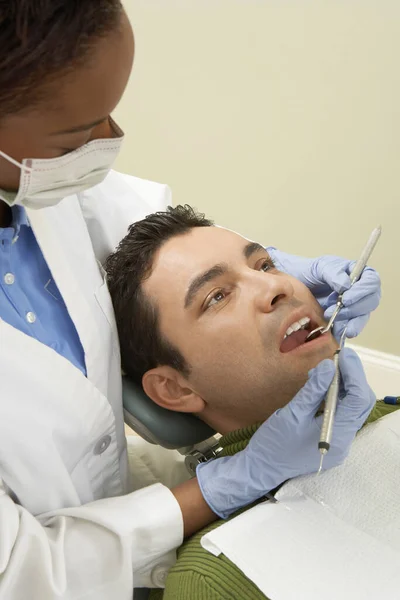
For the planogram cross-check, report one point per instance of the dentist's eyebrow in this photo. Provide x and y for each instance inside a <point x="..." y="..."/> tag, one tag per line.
<point x="252" y="248"/>
<point x="201" y="280"/>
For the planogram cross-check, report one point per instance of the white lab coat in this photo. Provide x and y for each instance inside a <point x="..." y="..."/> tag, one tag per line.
<point x="69" y="525"/>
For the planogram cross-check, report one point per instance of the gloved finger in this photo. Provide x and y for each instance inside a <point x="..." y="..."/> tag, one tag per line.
<point x="334" y="271"/>
<point x="368" y="286"/>
<point x="354" y="327"/>
<point x="363" y="307"/>
<point x="367" y="290"/>
<point x="308" y="399"/>
<point x="359" y="399"/>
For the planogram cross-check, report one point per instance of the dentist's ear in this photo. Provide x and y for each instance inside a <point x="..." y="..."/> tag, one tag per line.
<point x="169" y="389"/>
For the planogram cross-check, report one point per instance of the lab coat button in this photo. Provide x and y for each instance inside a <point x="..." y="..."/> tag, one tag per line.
<point x="30" y="317"/>
<point x="9" y="278"/>
<point x="159" y="575"/>
<point x="102" y="444"/>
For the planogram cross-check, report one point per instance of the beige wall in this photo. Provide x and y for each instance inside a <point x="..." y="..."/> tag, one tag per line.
<point x="280" y="119"/>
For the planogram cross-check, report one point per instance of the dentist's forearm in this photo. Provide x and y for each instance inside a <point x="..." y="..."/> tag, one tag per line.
<point x="195" y="510"/>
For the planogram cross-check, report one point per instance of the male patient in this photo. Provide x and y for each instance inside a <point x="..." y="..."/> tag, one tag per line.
<point x="208" y="325"/>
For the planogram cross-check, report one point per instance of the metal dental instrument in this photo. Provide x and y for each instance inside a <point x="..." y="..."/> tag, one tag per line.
<point x="330" y="406"/>
<point x="354" y="276"/>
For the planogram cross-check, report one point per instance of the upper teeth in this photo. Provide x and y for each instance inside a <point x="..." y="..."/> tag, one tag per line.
<point x="301" y="324"/>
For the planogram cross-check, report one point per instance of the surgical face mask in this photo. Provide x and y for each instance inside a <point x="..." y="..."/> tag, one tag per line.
<point x="45" y="182"/>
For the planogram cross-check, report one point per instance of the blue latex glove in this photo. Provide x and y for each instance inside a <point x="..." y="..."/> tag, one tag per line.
<point x="328" y="276"/>
<point x="286" y="445"/>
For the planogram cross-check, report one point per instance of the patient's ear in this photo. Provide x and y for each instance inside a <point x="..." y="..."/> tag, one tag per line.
<point x="169" y="389"/>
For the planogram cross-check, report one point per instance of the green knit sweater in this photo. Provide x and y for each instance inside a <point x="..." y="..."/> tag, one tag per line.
<point x="199" y="575"/>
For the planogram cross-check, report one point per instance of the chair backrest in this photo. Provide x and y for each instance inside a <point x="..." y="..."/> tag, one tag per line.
<point x="160" y="426"/>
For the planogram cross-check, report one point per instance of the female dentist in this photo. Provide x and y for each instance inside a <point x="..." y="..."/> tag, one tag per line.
<point x="70" y="525"/>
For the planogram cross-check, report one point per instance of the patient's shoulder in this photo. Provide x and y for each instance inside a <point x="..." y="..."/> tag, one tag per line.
<point x="199" y="575"/>
<point x="383" y="408"/>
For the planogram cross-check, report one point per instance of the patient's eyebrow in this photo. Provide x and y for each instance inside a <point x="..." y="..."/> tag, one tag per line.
<point x="251" y="248"/>
<point x="199" y="281"/>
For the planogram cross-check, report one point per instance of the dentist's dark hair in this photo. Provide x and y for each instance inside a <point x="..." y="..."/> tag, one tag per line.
<point x="43" y="39"/>
<point x="142" y="345"/>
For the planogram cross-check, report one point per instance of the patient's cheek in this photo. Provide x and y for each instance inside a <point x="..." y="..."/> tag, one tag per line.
<point x="306" y="296"/>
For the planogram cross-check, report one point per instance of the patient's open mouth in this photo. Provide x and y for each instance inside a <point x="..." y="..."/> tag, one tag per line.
<point x="296" y="334"/>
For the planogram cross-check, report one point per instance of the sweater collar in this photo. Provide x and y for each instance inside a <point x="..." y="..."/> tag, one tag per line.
<point x="237" y="440"/>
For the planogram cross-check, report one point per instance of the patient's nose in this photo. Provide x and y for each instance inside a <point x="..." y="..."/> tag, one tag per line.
<point x="274" y="290"/>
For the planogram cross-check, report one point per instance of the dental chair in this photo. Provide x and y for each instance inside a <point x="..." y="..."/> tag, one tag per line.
<point x="175" y="431"/>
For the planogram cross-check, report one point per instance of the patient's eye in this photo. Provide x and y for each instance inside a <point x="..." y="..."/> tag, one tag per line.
<point x="215" y="298"/>
<point x="266" y="265"/>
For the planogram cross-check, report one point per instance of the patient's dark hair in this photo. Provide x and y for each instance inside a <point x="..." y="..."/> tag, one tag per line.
<point x="42" y="39"/>
<point x="142" y="345"/>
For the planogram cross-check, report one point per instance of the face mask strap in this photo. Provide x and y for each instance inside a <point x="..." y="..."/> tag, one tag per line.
<point x="15" y="162"/>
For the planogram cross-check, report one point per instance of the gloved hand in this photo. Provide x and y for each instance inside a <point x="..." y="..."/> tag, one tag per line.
<point x="286" y="445"/>
<point x="328" y="276"/>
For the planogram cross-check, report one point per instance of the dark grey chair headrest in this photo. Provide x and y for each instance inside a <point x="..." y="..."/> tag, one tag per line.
<point x="158" y="425"/>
